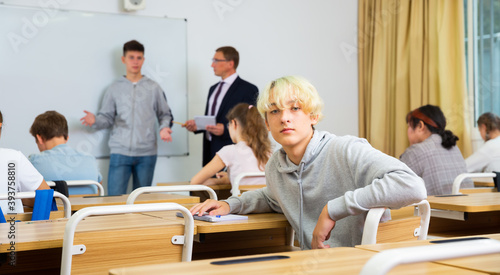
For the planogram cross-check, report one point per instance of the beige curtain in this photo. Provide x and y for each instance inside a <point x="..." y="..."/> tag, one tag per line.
<point x="411" y="53"/>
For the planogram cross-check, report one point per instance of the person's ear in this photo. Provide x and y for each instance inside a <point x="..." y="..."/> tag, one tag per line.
<point x="420" y="125"/>
<point x="123" y="59"/>
<point x="314" y="119"/>
<point x="231" y="63"/>
<point x="39" y="139"/>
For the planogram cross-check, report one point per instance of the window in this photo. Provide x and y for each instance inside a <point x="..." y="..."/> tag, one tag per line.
<point x="482" y="23"/>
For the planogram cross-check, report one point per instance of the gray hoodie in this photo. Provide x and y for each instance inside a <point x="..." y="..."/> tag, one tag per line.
<point x="132" y="110"/>
<point x="344" y="172"/>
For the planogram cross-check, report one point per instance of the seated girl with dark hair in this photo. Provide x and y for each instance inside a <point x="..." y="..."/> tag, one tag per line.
<point x="433" y="154"/>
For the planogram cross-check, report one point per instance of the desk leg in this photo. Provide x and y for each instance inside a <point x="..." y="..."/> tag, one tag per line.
<point x="290" y="236"/>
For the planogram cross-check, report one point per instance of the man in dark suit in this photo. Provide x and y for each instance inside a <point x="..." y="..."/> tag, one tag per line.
<point x="223" y="96"/>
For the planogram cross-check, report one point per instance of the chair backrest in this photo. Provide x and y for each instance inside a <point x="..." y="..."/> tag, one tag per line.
<point x="30" y="195"/>
<point x="455" y="189"/>
<point x="235" y="190"/>
<point x="69" y="233"/>
<point x="177" y="188"/>
<point x="396" y="230"/>
<point x="384" y="261"/>
<point x="70" y="183"/>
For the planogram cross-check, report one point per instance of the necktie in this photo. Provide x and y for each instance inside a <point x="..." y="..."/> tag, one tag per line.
<point x="214" y="104"/>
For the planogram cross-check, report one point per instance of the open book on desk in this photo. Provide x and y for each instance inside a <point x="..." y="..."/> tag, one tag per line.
<point x="217" y="218"/>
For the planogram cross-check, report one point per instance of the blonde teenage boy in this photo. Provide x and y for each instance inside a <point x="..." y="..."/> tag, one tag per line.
<point x="324" y="184"/>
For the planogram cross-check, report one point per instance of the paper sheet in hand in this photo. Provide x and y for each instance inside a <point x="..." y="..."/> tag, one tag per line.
<point x="203" y="121"/>
<point x="218" y="218"/>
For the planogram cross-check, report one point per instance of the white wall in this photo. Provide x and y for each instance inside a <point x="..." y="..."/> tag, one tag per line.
<point x="274" y="38"/>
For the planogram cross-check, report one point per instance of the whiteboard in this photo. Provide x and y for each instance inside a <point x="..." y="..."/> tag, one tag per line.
<point x="65" y="60"/>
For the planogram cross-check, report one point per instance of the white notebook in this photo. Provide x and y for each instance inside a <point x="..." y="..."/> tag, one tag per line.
<point x="203" y="121"/>
<point x="217" y="218"/>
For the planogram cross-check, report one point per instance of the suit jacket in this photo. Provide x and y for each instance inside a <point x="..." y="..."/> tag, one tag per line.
<point x="240" y="91"/>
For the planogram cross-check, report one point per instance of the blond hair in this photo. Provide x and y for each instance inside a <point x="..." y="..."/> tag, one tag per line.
<point x="279" y="91"/>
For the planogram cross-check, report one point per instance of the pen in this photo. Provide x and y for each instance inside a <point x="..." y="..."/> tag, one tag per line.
<point x="176" y="122"/>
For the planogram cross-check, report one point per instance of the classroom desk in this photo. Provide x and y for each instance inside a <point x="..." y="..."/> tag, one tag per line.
<point x="245" y="188"/>
<point x="483" y="182"/>
<point x="341" y="260"/>
<point x="261" y="233"/>
<point x="478" y="190"/>
<point x="135" y="236"/>
<point x="215" y="187"/>
<point x="78" y="203"/>
<point x="172" y="183"/>
<point x="223" y="191"/>
<point x="486" y="263"/>
<point x="477" y="202"/>
<point x="476" y="213"/>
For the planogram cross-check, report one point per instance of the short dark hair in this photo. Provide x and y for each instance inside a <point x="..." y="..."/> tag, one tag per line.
<point x="230" y="54"/>
<point x="1" y="117"/>
<point x="49" y="125"/>
<point x="490" y="121"/>
<point x="133" y="45"/>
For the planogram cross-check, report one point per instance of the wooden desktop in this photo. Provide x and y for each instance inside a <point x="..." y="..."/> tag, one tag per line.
<point x="471" y="214"/>
<point x="78" y="203"/>
<point x="485" y="263"/>
<point x="340" y="260"/>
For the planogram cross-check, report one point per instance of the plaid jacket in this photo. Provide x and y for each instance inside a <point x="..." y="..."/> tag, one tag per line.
<point x="437" y="165"/>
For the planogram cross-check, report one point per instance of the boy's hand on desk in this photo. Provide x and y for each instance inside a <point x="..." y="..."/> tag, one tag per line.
<point x="213" y="207"/>
<point x="322" y="230"/>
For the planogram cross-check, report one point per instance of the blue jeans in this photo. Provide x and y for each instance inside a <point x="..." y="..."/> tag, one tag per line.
<point x="120" y="168"/>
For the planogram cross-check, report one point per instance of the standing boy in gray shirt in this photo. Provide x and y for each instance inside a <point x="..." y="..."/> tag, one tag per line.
<point x="131" y="106"/>
<point x="319" y="181"/>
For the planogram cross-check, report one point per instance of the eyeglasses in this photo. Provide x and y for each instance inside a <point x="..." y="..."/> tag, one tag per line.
<point x="215" y="60"/>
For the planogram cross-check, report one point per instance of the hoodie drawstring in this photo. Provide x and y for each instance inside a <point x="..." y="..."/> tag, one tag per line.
<point x="301" y="231"/>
